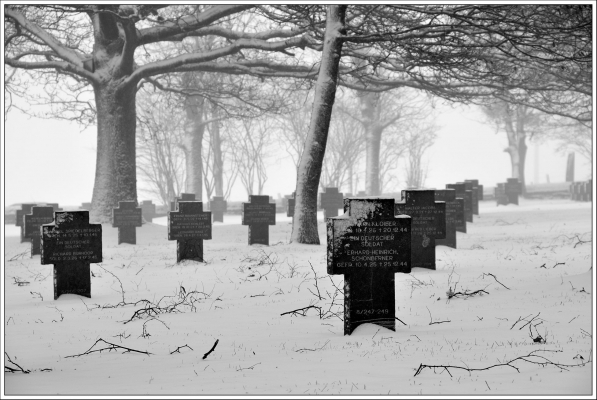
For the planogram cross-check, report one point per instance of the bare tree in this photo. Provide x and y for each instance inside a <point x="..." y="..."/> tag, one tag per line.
<point x="345" y="147"/>
<point x="160" y="157"/>
<point x="292" y="127"/>
<point x="519" y="122"/>
<point x="250" y="144"/>
<point x="73" y="49"/>
<point x="220" y="166"/>
<point x="420" y="137"/>
<point x="570" y="135"/>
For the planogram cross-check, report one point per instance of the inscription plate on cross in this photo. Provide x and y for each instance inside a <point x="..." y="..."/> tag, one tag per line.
<point x="428" y="223"/>
<point x="454" y="215"/>
<point x="127" y="217"/>
<point x="32" y="226"/>
<point x="71" y="243"/>
<point x="331" y="200"/>
<point x="368" y="245"/>
<point x="259" y="213"/>
<point x="189" y="226"/>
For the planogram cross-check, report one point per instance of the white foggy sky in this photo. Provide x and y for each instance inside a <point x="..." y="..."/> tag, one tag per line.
<point x="53" y="161"/>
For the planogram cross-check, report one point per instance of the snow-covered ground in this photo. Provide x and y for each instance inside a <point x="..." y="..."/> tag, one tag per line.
<point x="540" y="265"/>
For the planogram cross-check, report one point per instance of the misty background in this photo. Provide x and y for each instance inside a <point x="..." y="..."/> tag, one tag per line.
<point x="54" y="160"/>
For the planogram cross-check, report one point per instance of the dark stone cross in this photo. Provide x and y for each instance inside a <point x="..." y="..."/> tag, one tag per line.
<point x="71" y="243"/>
<point x="189" y="226"/>
<point x="331" y="200"/>
<point x="32" y="224"/>
<point x="183" y="197"/>
<point x="148" y="210"/>
<point x="574" y="191"/>
<point x="218" y="206"/>
<point x="467" y="195"/>
<point x="513" y="188"/>
<point x="54" y="206"/>
<point x="25" y="209"/>
<point x="472" y="186"/>
<point x="428" y="223"/>
<point x="259" y="213"/>
<point x="290" y="205"/>
<point x="127" y="217"/>
<point x="588" y="190"/>
<point x="479" y="187"/>
<point x="454" y="215"/>
<point x="368" y="244"/>
<point x="468" y="187"/>
<point x="500" y="195"/>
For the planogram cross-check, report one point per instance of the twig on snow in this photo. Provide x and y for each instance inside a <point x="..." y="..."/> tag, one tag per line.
<point x="211" y="350"/>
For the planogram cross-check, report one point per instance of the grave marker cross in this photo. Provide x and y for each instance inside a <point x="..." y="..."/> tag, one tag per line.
<point x="368" y="245"/>
<point x="513" y="188"/>
<point x="127" y="217"/>
<point x="470" y="185"/>
<point x="259" y="213"/>
<point x="183" y="197"/>
<point x="25" y="209"/>
<point x="428" y="223"/>
<point x="467" y="195"/>
<point x="454" y="215"/>
<point x="218" y="206"/>
<point x="479" y="187"/>
<point x="148" y="210"/>
<point x="189" y="226"/>
<point x="71" y="243"/>
<point x="331" y="200"/>
<point x="290" y="205"/>
<point x="500" y="195"/>
<point x="32" y="224"/>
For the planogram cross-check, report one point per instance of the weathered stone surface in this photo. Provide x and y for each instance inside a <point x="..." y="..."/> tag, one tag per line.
<point x="428" y="223"/>
<point x="71" y="243"/>
<point x="148" y="210"/>
<point x="218" y="206"/>
<point x="189" y="226"/>
<point x="127" y="217"/>
<point x="32" y="226"/>
<point x="467" y="195"/>
<point x="454" y="215"/>
<point x="368" y="245"/>
<point x="259" y="213"/>
<point x="331" y="200"/>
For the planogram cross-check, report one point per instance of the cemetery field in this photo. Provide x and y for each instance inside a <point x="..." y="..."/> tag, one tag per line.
<point x="515" y="295"/>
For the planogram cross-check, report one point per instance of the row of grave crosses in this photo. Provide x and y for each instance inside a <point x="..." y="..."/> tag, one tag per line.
<point x="374" y="239"/>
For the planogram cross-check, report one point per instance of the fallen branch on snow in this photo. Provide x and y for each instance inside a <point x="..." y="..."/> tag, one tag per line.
<point x="111" y="346"/>
<point x="530" y="358"/>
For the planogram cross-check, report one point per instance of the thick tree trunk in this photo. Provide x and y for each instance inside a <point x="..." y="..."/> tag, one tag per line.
<point x="194" y="129"/>
<point x="522" y="156"/>
<point x="115" y="170"/>
<point x="370" y="113"/>
<point x="373" y="145"/>
<point x="304" y="229"/>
